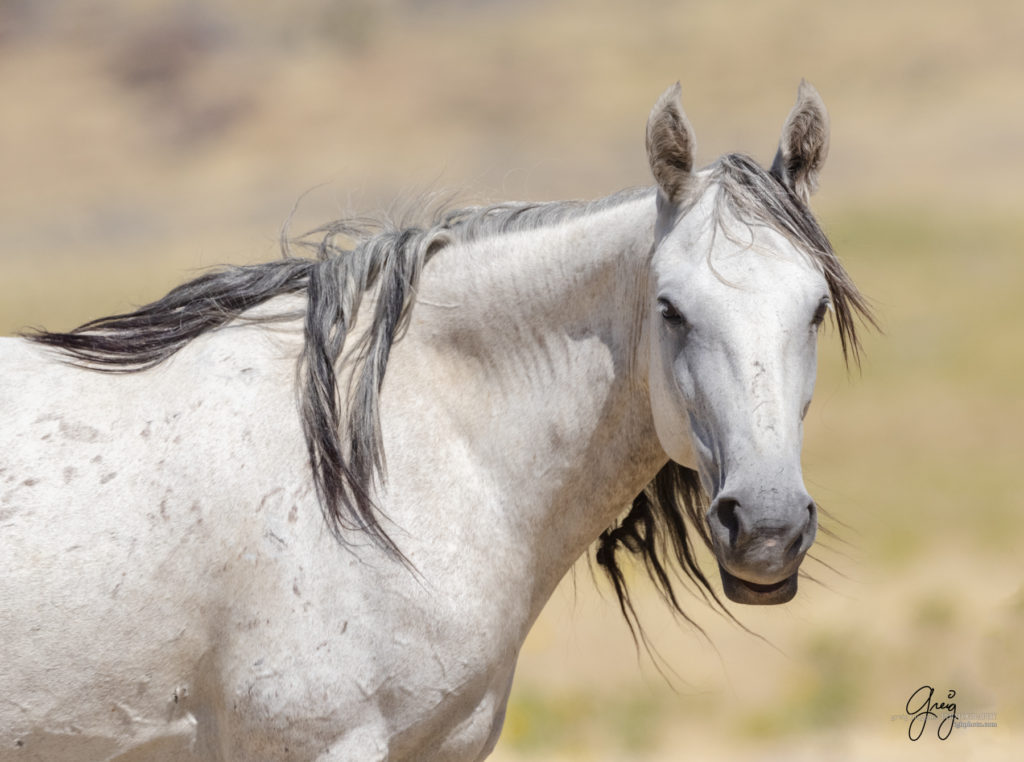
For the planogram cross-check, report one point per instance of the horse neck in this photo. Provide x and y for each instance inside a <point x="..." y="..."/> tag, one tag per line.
<point x="545" y="331"/>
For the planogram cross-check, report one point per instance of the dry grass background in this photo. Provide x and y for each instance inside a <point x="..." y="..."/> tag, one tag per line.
<point x="142" y="139"/>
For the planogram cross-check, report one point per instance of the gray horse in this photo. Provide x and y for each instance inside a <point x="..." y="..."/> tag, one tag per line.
<point x="309" y="510"/>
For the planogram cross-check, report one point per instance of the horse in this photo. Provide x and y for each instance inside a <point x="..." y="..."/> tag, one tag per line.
<point x="309" y="509"/>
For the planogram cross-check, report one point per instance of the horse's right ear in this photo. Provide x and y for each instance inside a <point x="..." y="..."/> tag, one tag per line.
<point x="671" y="146"/>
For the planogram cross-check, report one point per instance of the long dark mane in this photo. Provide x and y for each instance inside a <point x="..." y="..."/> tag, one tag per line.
<point x="336" y="265"/>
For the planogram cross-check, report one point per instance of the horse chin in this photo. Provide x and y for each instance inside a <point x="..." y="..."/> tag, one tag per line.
<point x="740" y="591"/>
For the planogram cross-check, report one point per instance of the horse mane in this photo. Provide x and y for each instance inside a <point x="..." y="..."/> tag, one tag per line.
<point x="335" y="265"/>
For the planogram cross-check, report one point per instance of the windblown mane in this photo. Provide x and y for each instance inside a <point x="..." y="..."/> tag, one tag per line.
<point x="348" y="258"/>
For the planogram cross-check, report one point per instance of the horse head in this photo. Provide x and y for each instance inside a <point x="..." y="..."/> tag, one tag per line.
<point x="737" y="293"/>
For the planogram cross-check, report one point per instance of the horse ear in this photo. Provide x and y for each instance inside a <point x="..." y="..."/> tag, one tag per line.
<point x="804" y="144"/>
<point x="671" y="145"/>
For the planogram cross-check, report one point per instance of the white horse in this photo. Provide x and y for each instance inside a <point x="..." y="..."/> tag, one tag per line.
<point x="227" y="534"/>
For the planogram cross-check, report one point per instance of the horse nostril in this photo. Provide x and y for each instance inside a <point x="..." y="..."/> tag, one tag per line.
<point x="805" y="537"/>
<point x="796" y="546"/>
<point x="726" y="515"/>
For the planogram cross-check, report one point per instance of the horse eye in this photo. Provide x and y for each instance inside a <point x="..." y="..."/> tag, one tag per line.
<point x="819" y="314"/>
<point x="669" y="313"/>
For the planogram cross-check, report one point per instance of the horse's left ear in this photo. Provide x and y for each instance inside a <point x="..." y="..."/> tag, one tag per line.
<point x="804" y="144"/>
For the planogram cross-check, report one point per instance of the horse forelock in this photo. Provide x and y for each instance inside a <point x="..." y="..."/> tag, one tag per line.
<point x="756" y="196"/>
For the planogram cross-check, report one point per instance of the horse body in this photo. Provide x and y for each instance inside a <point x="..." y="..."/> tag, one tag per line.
<point x="147" y="537"/>
<point x="169" y="588"/>
<point x="186" y="595"/>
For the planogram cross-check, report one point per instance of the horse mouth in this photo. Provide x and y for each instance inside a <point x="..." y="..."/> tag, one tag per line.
<point x="740" y="591"/>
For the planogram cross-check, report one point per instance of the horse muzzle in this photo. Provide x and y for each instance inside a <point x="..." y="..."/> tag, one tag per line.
<point x="759" y="547"/>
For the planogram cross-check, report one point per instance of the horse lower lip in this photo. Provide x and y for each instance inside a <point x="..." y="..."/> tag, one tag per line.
<point x="740" y="591"/>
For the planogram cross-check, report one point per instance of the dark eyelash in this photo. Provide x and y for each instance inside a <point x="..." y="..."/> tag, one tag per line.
<point x="819" y="314"/>
<point x="670" y="314"/>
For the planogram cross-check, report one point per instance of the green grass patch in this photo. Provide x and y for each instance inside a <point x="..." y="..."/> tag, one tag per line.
<point x="545" y="721"/>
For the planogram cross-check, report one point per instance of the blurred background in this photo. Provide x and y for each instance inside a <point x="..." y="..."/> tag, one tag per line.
<point x="142" y="140"/>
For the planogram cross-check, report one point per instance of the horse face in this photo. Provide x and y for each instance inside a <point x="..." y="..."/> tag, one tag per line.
<point x="734" y="310"/>
<point x="733" y="332"/>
